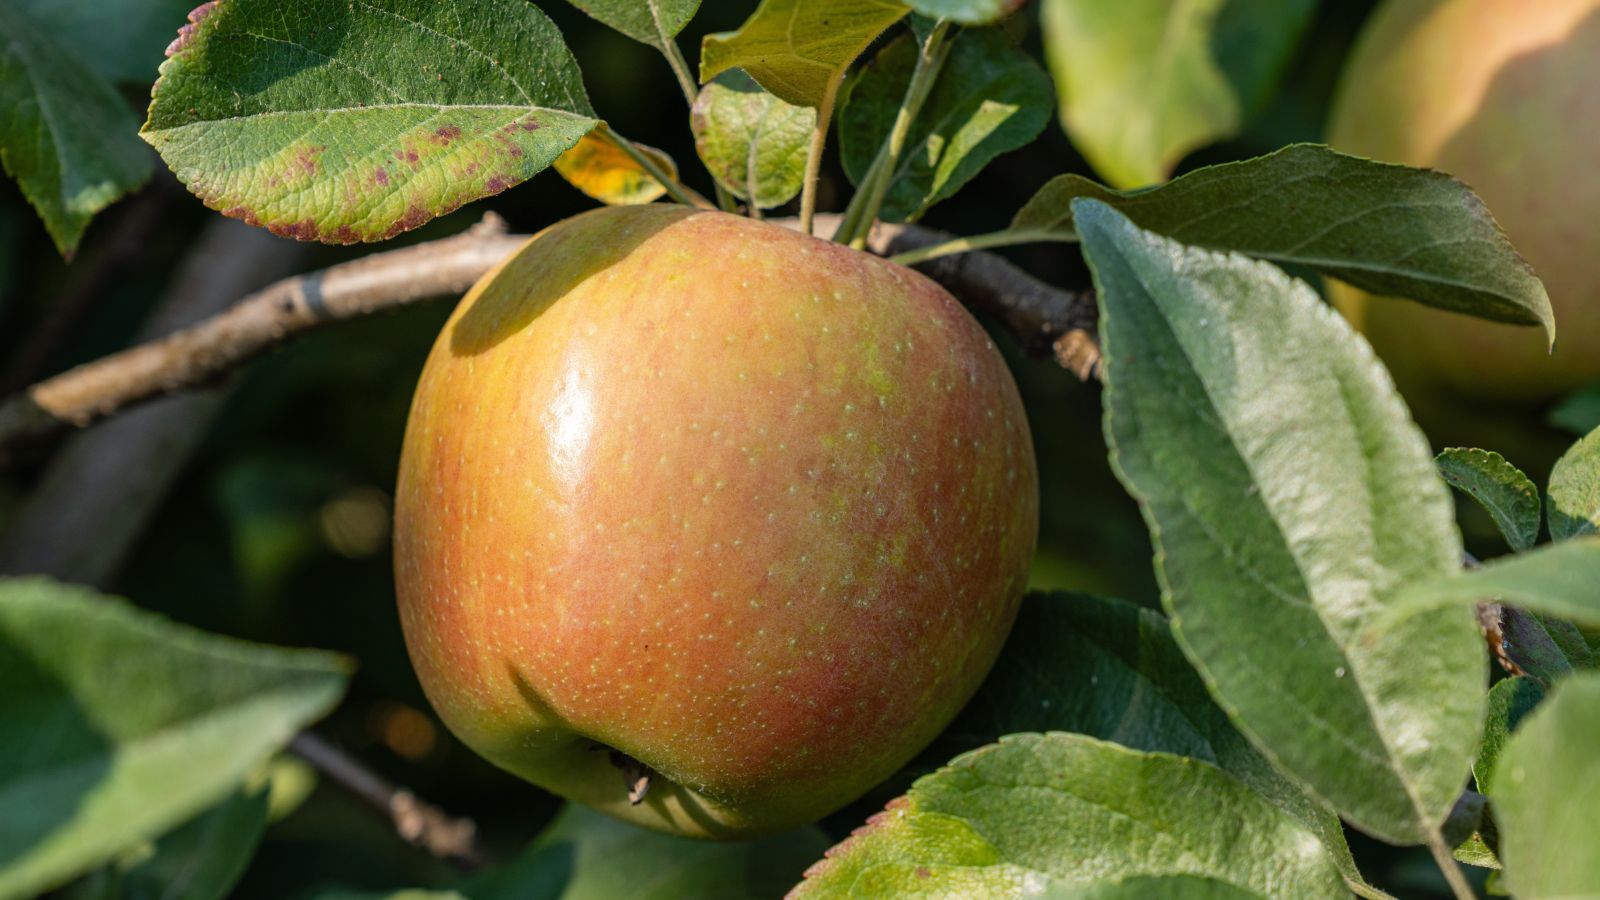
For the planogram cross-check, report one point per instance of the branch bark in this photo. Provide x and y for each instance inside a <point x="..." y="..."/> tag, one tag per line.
<point x="1042" y="317"/>
<point x="421" y="824"/>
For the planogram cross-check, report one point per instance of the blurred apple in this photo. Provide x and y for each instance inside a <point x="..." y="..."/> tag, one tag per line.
<point x="1505" y="95"/>
<point x="705" y="500"/>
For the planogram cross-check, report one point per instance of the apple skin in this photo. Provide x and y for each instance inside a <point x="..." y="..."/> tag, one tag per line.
<point x="747" y="506"/>
<point x="1502" y="94"/>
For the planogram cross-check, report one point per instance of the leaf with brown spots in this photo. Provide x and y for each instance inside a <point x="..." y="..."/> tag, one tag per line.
<point x="344" y="122"/>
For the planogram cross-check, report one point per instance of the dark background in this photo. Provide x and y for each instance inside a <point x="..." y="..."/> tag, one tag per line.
<point x="276" y="529"/>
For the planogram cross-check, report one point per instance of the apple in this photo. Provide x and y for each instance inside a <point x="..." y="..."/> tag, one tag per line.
<point x="1505" y="95"/>
<point x="705" y="500"/>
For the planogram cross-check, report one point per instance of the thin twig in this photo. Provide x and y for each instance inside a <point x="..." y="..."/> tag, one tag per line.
<point x="420" y="823"/>
<point x="1042" y="317"/>
<point x="1449" y="867"/>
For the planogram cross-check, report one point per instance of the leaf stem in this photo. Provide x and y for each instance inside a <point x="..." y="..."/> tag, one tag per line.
<point x="679" y="191"/>
<point x="1362" y="889"/>
<point x="982" y="241"/>
<point x="691" y="94"/>
<point x="875" y="187"/>
<point x="1449" y="867"/>
<point x="819" y="138"/>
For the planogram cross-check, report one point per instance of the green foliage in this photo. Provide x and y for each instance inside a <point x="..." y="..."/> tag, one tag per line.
<point x="1545" y="790"/>
<point x="1579" y="413"/>
<point x="65" y="134"/>
<point x="1555" y="580"/>
<point x="753" y="144"/>
<point x="989" y="98"/>
<point x="1246" y="418"/>
<point x="346" y="123"/>
<point x="1575" y="490"/>
<point x="1140" y="693"/>
<point x="653" y="22"/>
<point x="203" y="858"/>
<point x="799" y="49"/>
<point x="1384" y="228"/>
<point x="129" y="51"/>
<point x="967" y="12"/>
<point x="1510" y="700"/>
<point x="1501" y="488"/>
<point x="1542" y="645"/>
<point x="1143" y="82"/>
<point x="1037" y="813"/>
<point x="120" y="725"/>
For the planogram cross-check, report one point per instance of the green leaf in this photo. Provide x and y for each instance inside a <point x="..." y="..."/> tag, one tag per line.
<point x="1108" y="669"/>
<point x="1143" y="82"/>
<point x="128" y="52"/>
<point x="611" y="859"/>
<point x="121" y="725"/>
<point x="1575" y="490"/>
<point x="65" y="134"/>
<point x="753" y="144"/>
<point x="1288" y="495"/>
<point x="989" y="98"/>
<point x="354" y="122"/>
<point x="1556" y="580"/>
<point x="1510" y="700"/>
<point x="1579" y="413"/>
<point x="1542" y="645"/>
<point x="1499" y="487"/>
<point x="1388" y="229"/>
<point x="203" y="858"/>
<point x="967" y="12"/>
<point x="1545" y="791"/>
<point x="1144" y="887"/>
<point x="1040" y="812"/>
<point x="653" y="22"/>
<point x="799" y="49"/>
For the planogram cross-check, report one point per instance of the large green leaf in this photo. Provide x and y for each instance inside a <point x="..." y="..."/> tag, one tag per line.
<point x="989" y="98"/>
<point x="1499" y="487"/>
<point x="799" y="49"/>
<point x="130" y="49"/>
<point x="753" y="144"/>
<point x="1575" y="490"/>
<point x="1543" y="646"/>
<point x="1289" y="496"/>
<point x="65" y="135"/>
<point x="1546" y="789"/>
<point x="653" y="22"/>
<point x="1143" y="82"/>
<point x="1510" y="701"/>
<point x="1108" y="669"/>
<point x="120" y="725"/>
<point x="1557" y="580"/>
<point x="1040" y="812"/>
<point x="346" y="122"/>
<point x="1389" y="229"/>
<point x="203" y="858"/>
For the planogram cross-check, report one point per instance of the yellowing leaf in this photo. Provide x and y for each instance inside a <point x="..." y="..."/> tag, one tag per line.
<point x="599" y="168"/>
<point x="799" y="49"/>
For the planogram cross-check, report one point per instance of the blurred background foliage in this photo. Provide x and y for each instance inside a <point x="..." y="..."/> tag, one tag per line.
<point x="276" y="529"/>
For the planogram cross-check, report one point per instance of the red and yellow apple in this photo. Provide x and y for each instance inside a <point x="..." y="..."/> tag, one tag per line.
<point x="747" y="507"/>
<point x="1505" y="95"/>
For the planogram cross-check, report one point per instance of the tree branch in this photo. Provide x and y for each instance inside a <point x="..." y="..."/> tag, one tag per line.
<point x="422" y="824"/>
<point x="1044" y="319"/>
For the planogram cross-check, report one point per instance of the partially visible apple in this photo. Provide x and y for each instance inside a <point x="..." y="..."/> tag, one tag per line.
<point x="744" y="506"/>
<point x="1505" y="95"/>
